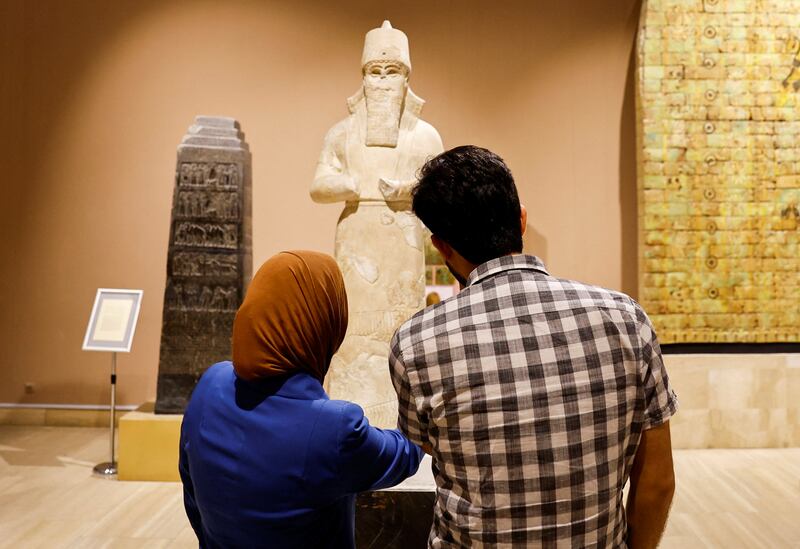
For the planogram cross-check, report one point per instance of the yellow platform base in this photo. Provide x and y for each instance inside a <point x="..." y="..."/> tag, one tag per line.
<point x="148" y="445"/>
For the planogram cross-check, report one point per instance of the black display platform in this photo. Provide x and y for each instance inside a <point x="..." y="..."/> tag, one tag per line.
<point x="399" y="517"/>
<point x="393" y="519"/>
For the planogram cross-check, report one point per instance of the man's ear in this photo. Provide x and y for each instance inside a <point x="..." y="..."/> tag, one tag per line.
<point x="443" y="247"/>
<point x="523" y="217"/>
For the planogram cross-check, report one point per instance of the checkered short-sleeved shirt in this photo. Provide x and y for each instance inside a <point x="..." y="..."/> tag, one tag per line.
<point x="532" y="392"/>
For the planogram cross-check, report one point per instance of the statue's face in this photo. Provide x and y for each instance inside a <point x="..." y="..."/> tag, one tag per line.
<point x="383" y="71"/>
<point x="385" y="85"/>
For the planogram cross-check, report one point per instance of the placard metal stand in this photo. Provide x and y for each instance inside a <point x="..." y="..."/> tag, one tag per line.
<point x="109" y="468"/>
<point x="111" y="328"/>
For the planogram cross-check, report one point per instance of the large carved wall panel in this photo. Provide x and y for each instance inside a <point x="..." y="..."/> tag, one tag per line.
<point x="209" y="261"/>
<point x="719" y="158"/>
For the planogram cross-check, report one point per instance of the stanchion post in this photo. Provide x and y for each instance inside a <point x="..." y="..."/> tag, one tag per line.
<point x="109" y="469"/>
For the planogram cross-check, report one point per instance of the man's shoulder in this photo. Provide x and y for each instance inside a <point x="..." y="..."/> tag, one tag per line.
<point x="580" y="299"/>
<point x="434" y="321"/>
<point x="540" y="296"/>
<point x="548" y="294"/>
<point x="423" y="324"/>
<point x="581" y="294"/>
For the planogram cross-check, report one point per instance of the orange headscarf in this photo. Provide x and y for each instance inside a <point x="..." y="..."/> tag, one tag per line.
<point x="293" y="317"/>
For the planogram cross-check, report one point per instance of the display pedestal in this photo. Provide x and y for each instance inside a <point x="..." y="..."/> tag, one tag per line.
<point x="148" y="445"/>
<point x="398" y="517"/>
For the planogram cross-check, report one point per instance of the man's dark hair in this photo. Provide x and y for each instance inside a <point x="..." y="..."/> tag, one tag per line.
<point x="466" y="197"/>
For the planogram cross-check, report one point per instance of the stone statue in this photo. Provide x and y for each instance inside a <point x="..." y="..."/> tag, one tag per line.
<point x="369" y="161"/>
<point x="209" y="261"/>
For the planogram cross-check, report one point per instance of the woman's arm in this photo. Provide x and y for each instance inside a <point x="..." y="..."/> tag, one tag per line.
<point x="189" y="502"/>
<point x="372" y="458"/>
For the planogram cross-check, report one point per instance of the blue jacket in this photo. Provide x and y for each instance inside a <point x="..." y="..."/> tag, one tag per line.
<point x="278" y="464"/>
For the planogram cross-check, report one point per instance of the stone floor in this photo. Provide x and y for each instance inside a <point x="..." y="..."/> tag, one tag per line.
<point x="49" y="498"/>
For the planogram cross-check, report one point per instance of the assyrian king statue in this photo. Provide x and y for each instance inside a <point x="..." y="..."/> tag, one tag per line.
<point x="369" y="161"/>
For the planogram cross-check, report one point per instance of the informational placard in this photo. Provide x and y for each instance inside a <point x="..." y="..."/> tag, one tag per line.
<point x="113" y="321"/>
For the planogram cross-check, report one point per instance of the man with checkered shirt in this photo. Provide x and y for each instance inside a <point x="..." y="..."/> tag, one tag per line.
<point x="538" y="398"/>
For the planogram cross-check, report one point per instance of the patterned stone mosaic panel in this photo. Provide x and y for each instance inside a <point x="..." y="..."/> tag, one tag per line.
<point x="718" y="104"/>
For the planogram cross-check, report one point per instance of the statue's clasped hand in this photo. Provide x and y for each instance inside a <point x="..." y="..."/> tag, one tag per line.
<point x="394" y="190"/>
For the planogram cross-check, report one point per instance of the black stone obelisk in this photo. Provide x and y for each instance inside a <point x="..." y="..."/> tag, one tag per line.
<point x="209" y="262"/>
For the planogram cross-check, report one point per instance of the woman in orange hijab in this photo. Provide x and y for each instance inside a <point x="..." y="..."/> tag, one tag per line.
<point x="266" y="459"/>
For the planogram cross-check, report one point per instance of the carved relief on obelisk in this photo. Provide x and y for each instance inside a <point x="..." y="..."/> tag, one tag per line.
<point x="369" y="161"/>
<point x="209" y="260"/>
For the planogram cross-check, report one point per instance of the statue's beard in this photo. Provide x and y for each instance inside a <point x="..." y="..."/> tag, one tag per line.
<point x="384" y="108"/>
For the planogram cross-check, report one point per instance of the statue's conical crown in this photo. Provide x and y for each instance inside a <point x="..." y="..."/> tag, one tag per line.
<point x="386" y="44"/>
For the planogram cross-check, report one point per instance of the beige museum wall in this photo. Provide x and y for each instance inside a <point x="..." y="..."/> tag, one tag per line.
<point x="96" y="95"/>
